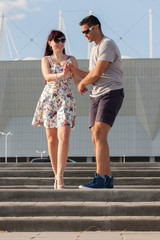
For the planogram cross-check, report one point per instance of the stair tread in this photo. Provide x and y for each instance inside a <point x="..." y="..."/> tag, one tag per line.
<point x="84" y="217"/>
<point x="78" y="178"/>
<point x="84" y="203"/>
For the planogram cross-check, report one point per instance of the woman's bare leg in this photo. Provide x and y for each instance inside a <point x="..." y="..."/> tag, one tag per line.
<point x="63" y="148"/>
<point x="52" y="147"/>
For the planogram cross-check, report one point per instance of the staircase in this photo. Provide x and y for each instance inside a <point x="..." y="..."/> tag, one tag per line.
<point x="28" y="201"/>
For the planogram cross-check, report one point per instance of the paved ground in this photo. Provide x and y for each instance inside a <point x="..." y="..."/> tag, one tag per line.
<point x="79" y="235"/>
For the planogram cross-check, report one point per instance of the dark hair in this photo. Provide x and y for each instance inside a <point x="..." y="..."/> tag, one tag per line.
<point x="54" y="34"/>
<point x="90" y="21"/>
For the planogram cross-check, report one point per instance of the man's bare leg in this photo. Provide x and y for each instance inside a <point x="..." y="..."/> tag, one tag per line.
<point x="99" y="138"/>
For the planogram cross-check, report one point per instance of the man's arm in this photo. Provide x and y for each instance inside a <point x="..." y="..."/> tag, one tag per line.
<point x="76" y="71"/>
<point x="76" y="77"/>
<point x="93" y="75"/>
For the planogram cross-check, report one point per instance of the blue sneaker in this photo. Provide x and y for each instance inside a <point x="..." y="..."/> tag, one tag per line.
<point x="97" y="182"/>
<point x="108" y="182"/>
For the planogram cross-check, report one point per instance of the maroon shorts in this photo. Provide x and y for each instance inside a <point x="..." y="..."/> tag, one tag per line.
<point x="106" y="107"/>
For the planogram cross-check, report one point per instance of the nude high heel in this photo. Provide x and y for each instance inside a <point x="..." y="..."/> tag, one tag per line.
<point x="59" y="186"/>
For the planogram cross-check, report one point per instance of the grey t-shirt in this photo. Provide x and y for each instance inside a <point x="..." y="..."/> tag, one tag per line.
<point x="112" y="78"/>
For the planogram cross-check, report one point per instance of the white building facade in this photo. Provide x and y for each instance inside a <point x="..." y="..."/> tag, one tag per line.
<point x="136" y="132"/>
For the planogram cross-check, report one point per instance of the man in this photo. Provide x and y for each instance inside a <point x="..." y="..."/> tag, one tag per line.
<point x="106" y="78"/>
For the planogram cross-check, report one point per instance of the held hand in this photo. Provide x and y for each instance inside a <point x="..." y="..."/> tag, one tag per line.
<point x="72" y="68"/>
<point x="66" y="70"/>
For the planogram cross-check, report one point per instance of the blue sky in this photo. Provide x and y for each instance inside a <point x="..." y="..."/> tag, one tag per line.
<point x="125" y="21"/>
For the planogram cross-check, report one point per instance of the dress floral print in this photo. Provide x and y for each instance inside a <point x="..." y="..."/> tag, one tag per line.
<point x="56" y="106"/>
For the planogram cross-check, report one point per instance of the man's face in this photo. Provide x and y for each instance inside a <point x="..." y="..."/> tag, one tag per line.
<point x="88" y="32"/>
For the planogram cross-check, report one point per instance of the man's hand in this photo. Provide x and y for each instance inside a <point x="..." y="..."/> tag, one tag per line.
<point x="82" y="88"/>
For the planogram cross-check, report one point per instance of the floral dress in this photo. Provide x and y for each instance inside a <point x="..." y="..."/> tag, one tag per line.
<point x="56" y="106"/>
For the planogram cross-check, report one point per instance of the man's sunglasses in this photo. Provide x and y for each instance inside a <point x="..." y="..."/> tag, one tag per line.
<point x="62" y="40"/>
<point x="88" y="30"/>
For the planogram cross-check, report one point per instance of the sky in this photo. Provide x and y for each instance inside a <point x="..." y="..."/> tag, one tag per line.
<point x="27" y="24"/>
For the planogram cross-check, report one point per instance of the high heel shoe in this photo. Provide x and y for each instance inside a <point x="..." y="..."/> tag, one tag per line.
<point x="59" y="186"/>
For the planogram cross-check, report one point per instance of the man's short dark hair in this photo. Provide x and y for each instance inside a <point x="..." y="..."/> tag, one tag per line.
<point x="90" y="21"/>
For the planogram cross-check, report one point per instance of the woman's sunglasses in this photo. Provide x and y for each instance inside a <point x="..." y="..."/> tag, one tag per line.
<point x="62" y="40"/>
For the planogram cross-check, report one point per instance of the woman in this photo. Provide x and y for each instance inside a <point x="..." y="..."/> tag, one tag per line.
<point x="56" y="108"/>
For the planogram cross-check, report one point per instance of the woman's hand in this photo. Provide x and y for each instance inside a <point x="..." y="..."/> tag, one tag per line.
<point x="66" y="70"/>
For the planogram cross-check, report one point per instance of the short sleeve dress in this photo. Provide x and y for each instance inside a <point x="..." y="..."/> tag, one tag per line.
<point x="56" y="106"/>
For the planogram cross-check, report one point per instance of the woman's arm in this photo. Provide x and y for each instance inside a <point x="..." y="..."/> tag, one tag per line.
<point x="46" y="71"/>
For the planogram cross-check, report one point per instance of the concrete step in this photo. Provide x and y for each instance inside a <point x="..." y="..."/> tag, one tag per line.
<point x="81" y="169"/>
<point x="28" y="201"/>
<point x="73" y="223"/>
<point x="28" y="209"/>
<point x="77" y="173"/>
<point x="85" y="164"/>
<point x="72" y="181"/>
<point x="77" y="187"/>
<point x="87" y="195"/>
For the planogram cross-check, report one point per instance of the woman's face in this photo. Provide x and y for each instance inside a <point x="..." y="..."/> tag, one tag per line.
<point x="58" y="44"/>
